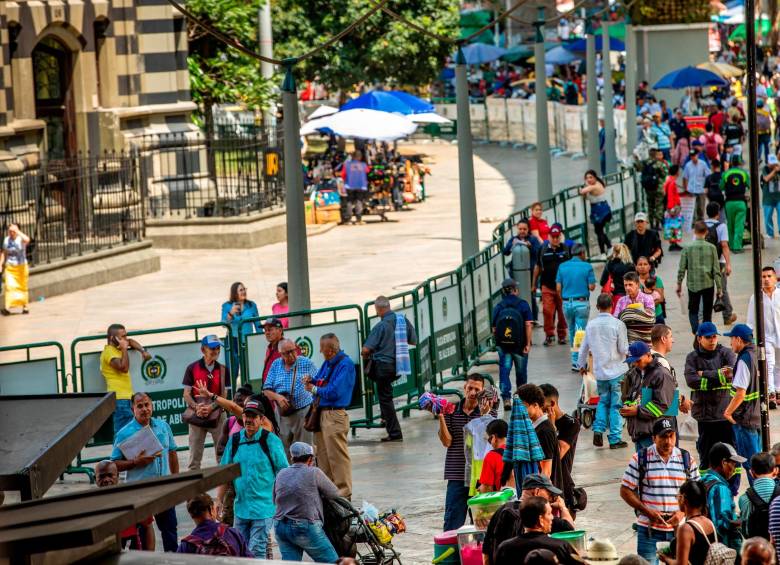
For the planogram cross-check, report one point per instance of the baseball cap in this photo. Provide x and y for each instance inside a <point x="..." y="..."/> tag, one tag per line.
<point x="299" y="449"/>
<point x="707" y="329"/>
<point x="772" y="160"/>
<point x="640" y="217"/>
<point x="274" y="322"/>
<point x="211" y="341"/>
<point x="509" y="283"/>
<point x="254" y="407"/>
<point x="556" y="229"/>
<point x="636" y="350"/>
<point x="760" y="103"/>
<point x="536" y="480"/>
<point x="721" y="451"/>
<point x="662" y="426"/>
<point x="742" y="331"/>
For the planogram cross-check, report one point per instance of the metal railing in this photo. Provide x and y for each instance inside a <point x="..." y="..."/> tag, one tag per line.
<point x="75" y="206"/>
<point x="232" y="171"/>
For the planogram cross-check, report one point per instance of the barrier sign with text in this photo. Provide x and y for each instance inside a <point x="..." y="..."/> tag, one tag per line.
<point x="480" y="278"/>
<point x="467" y="305"/>
<point x="445" y="307"/>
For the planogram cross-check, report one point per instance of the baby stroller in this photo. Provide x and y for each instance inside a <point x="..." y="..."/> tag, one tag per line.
<point x="351" y="537"/>
<point x="587" y="402"/>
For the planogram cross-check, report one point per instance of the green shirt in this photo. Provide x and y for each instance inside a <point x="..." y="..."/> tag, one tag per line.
<point x="770" y="191"/>
<point x="700" y="260"/>
<point x="659" y="285"/>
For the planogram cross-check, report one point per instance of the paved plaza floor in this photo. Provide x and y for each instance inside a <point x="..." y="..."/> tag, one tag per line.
<point x="352" y="265"/>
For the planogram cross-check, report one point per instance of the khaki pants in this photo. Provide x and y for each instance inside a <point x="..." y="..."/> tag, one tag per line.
<point x="291" y="429"/>
<point x="197" y="439"/>
<point x="333" y="449"/>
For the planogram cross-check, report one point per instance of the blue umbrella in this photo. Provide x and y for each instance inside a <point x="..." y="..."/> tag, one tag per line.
<point x="478" y="53"/>
<point x="379" y="100"/>
<point x="690" y="77"/>
<point x="579" y="46"/>
<point x="560" y="56"/>
<point x="418" y="105"/>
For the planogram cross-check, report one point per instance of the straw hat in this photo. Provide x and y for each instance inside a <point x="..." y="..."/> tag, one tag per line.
<point x="602" y="551"/>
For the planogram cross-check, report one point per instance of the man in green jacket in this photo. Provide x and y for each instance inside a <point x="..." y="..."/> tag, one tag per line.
<point x="699" y="260"/>
<point x="734" y="184"/>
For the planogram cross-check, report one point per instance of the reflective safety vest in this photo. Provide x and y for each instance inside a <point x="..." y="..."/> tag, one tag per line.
<point x="748" y="414"/>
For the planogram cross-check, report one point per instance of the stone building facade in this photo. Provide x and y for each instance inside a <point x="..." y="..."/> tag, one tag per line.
<point x="88" y="75"/>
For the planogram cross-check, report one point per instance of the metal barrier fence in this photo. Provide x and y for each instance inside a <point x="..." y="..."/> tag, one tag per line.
<point x="451" y="313"/>
<point x="73" y="206"/>
<point x="230" y="173"/>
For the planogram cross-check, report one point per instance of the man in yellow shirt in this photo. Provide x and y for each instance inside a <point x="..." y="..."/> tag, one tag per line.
<point x="115" y="367"/>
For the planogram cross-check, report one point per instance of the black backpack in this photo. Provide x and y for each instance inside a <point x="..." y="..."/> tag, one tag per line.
<point x="262" y="440"/>
<point x="712" y="237"/>
<point x="650" y="179"/>
<point x="510" y="330"/>
<point x="758" y="522"/>
<point x="642" y="468"/>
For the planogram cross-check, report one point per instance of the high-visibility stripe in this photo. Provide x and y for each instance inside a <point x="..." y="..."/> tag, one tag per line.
<point x="703" y="384"/>
<point x="722" y="378"/>
<point x="654" y="410"/>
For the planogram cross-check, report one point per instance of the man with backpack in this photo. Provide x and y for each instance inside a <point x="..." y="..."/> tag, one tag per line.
<point x="712" y="142"/>
<point x="211" y="537"/>
<point x="650" y="485"/>
<point x="261" y="456"/>
<point x="712" y="187"/>
<point x="718" y="235"/>
<point x="700" y="267"/>
<point x="512" y="329"/>
<point x="724" y="463"/>
<point x="551" y="254"/>
<point x="755" y="502"/>
<point x="735" y="183"/>
<point x="734" y="133"/>
<point x="764" y="128"/>
<point x="574" y="282"/>
<point x="654" y="171"/>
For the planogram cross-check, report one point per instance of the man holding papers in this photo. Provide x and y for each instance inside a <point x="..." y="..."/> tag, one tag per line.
<point x="145" y="448"/>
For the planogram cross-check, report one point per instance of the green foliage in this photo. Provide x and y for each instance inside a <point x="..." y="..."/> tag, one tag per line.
<point x="660" y="12"/>
<point x="380" y="50"/>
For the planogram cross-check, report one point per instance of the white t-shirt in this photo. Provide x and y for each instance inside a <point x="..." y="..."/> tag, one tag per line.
<point x="741" y="376"/>
<point x="723" y="234"/>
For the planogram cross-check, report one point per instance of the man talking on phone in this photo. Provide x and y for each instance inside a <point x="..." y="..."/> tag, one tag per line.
<point x="650" y="485"/>
<point x="115" y="367"/>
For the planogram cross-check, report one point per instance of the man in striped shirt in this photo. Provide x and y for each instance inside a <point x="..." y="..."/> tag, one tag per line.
<point x="650" y="486"/>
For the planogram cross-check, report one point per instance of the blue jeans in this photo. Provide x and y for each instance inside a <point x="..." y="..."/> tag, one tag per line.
<point x="769" y="223"/>
<point x="747" y="442"/>
<point x="296" y="536"/>
<point x="576" y="313"/>
<point x="255" y="533"/>
<point x="505" y="361"/>
<point x="167" y="523"/>
<point x="608" y="409"/>
<point x="455" y="505"/>
<point x="763" y="145"/>
<point x="646" y="540"/>
<point x="123" y="413"/>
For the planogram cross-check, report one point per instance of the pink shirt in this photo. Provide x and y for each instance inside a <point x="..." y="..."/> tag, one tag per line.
<point x="278" y="310"/>
<point x="642" y="298"/>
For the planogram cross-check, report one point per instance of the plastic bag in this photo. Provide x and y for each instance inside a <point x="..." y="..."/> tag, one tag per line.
<point x="369" y="511"/>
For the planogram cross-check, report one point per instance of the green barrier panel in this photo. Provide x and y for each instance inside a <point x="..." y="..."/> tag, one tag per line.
<point x="467" y="313"/>
<point x="307" y="337"/>
<point x="22" y="372"/>
<point x="160" y="377"/>
<point x="480" y="279"/>
<point x="412" y="304"/>
<point x="446" y="322"/>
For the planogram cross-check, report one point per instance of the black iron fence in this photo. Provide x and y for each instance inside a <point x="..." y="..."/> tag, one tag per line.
<point x="231" y="172"/>
<point x="75" y="206"/>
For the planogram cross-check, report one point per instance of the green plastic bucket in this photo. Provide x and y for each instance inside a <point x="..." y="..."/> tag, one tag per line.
<point x="575" y="538"/>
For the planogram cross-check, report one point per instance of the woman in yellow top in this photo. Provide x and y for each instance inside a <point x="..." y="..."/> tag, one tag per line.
<point x="115" y="367"/>
<point x="13" y="262"/>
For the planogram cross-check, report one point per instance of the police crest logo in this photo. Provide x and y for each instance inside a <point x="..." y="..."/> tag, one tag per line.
<point x="153" y="370"/>
<point x="305" y="345"/>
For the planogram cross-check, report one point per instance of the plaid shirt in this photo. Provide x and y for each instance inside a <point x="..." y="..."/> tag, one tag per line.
<point x="280" y="380"/>
<point x="700" y="260"/>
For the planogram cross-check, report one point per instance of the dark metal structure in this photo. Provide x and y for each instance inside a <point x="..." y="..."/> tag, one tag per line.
<point x="41" y="435"/>
<point x="755" y="217"/>
<point x="83" y="525"/>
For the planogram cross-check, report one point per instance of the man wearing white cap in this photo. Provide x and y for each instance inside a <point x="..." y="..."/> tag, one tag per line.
<point x="643" y="241"/>
<point x="298" y="493"/>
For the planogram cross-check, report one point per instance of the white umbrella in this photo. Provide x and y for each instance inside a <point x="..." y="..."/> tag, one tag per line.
<point x="363" y="123"/>
<point x="323" y="111"/>
<point x="429" y="118"/>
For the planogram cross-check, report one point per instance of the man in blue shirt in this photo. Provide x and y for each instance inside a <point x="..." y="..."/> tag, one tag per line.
<point x="261" y="456"/>
<point x="724" y="462"/>
<point x="694" y="174"/>
<point x="512" y="310"/>
<point x="285" y="386"/>
<point x="574" y="281"/>
<point x="333" y="386"/>
<point x="150" y="465"/>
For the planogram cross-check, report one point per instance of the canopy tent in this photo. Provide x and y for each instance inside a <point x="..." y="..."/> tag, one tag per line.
<point x="618" y="31"/>
<point x="580" y="45"/>
<point x="418" y="105"/>
<point x="558" y="56"/>
<point x="739" y="34"/>
<point x="519" y="52"/>
<point x="723" y="69"/>
<point x="478" y="53"/>
<point x="363" y="123"/>
<point x="378" y="100"/>
<point x="323" y="111"/>
<point x="689" y="77"/>
<point x="474" y="19"/>
<point x="429" y="118"/>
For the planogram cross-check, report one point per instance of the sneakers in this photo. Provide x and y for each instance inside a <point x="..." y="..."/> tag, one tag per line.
<point x="574" y="368"/>
<point x="730" y="320"/>
<point x="598" y="439"/>
<point x="562" y="341"/>
<point x="549" y="340"/>
<point x="507" y="405"/>
<point x="618" y="445"/>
